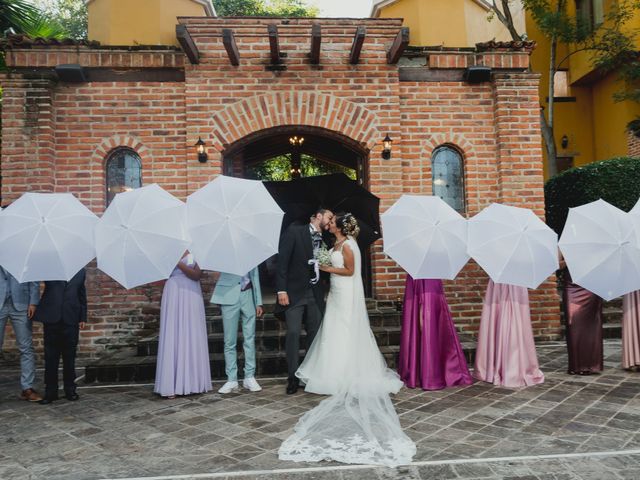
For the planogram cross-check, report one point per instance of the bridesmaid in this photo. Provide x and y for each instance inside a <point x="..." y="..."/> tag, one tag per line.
<point x="631" y="331"/>
<point x="583" y="317"/>
<point x="183" y="351"/>
<point x="506" y="353"/>
<point x="430" y="354"/>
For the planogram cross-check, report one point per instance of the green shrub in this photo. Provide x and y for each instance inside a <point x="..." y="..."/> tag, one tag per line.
<point x="617" y="181"/>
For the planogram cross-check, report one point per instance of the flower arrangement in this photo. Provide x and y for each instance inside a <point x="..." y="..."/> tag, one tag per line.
<point x="323" y="256"/>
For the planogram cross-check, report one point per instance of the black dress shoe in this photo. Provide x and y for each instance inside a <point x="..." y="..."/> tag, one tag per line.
<point x="47" y="400"/>
<point x="292" y="386"/>
<point x="71" y="396"/>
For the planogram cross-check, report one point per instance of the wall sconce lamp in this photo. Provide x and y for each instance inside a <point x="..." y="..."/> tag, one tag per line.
<point x="564" y="141"/>
<point x="201" y="150"/>
<point x="386" y="147"/>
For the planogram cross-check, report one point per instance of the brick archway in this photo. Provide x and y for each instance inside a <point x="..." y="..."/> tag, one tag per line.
<point x="329" y="112"/>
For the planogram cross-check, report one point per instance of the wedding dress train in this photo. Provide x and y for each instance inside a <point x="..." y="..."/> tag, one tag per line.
<point x="357" y="423"/>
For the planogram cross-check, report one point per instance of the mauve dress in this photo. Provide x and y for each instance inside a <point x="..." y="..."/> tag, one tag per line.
<point x="430" y="357"/>
<point x="183" y="351"/>
<point x="583" y="315"/>
<point x="506" y="352"/>
<point x="631" y="330"/>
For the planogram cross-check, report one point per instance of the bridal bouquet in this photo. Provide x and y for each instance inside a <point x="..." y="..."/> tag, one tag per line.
<point x="323" y="256"/>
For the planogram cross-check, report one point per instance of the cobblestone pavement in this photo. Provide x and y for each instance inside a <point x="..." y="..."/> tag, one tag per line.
<point x="568" y="428"/>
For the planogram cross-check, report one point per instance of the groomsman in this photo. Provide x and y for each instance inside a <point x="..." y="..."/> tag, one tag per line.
<point x="240" y="300"/>
<point x="18" y="302"/>
<point x="63" y="311"/>
<point x="300" y="292"/>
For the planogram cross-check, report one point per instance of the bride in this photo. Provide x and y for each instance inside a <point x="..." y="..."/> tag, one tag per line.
<point x="357" y="423"/>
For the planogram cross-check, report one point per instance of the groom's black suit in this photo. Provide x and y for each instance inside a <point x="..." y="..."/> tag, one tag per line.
<point x="293" y="276"/>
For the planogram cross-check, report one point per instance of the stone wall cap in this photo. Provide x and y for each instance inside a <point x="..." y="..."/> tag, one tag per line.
<point x="25" y="41"/>
<point x="514" y="46"/>
<point x="21" y="41"/>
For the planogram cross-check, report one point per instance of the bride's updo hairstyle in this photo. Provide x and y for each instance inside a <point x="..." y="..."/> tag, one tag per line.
<point x="347" y="224"/>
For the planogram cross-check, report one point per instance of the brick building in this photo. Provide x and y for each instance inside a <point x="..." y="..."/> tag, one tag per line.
<point x="237" y="82"/>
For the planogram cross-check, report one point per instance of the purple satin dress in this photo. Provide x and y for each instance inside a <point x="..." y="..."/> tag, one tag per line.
<point x="583" y="314"/>
<point x="430" y="353"/>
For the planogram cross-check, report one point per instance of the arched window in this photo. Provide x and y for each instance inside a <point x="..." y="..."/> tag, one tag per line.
<point x="124" y="172"/>
<point x="448" y="176"/>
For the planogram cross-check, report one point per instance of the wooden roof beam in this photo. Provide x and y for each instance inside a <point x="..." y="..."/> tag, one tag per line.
<point x="397" y="47"/>
<point x="274" y="44"/>
<point x="356" y="48"/>
<point x="230" y="45"/>
<point x="316" y="40"/>
<point x="187" y="44"/>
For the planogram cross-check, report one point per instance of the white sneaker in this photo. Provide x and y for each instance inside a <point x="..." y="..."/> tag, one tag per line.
<point x="251" y="384"/>
<point x="228" y="387"/>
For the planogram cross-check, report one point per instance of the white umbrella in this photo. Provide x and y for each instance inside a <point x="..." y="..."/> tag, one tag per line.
<point x="600" y="245"/>
<point x="513" y="245"/>
<point x="46" y="236"/>
<point x="425" y="236"/>
<point x="234" y="224"/>
<point x="141" y="236"/>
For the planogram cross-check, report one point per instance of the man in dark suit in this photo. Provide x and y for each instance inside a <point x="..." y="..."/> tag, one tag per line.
<point x="63" y="311"/>
<point x="300" y="292"/>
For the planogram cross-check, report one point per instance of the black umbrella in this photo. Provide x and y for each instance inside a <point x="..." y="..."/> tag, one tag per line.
<point x="300" y="198"/>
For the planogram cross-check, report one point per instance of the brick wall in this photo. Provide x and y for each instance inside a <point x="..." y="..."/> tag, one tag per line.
<point x="633" y="144"/>
<point x="56" y="137"/>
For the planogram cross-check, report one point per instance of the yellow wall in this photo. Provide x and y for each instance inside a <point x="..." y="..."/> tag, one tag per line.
<point x="138" y="22"/>
<point x="595" y="124"/>
<point x="451" y="23"/>
<point x="611" y="119"/>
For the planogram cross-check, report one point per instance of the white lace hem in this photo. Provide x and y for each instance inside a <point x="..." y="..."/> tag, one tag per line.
<point x="355" y="450"/>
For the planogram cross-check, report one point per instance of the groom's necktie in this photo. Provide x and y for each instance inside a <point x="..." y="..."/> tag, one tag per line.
<point x="317" y="241"/>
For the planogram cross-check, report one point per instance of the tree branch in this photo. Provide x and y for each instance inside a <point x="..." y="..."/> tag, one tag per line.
<point x="506" y="18"/>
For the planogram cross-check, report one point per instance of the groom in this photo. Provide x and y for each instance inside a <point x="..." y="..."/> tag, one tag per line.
<point x="299" y="291"/>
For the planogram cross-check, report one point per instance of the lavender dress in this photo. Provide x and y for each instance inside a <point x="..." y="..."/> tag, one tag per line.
<point x="430" y="353"/>
<point x="506" y="353"/>
<point x="183" y="352"/>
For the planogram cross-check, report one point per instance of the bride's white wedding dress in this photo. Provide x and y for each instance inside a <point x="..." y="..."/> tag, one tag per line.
<point x="358" y="423"/>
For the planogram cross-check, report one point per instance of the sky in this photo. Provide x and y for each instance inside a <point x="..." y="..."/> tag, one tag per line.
<point x="343" y="8"/>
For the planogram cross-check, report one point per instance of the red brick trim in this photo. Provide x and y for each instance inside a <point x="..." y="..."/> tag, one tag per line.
<point x="293" y="108"/>
<point x="456" y="139"/>
<point x="101" y="154"/>
<point x="107" y="145"/>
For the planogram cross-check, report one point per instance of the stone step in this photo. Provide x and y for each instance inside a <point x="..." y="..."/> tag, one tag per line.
<point x="611" y="314"/>
<point x="612" y="330"/>
<point x="270" y="322"/>
<point x="373" y="306"/>
<point x="125" y="366"/>
<point x="269" y="340"/>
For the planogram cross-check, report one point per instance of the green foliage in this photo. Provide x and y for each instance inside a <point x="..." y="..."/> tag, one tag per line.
<point x="42" y="25"/>
<point x="13" y="14"/>
<point x="263" y="8"/>
<point x="279" y="168"/>
<point x="71" y="15"/>
<point x="616" y="181"/>
<point x="552" y="19"/>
